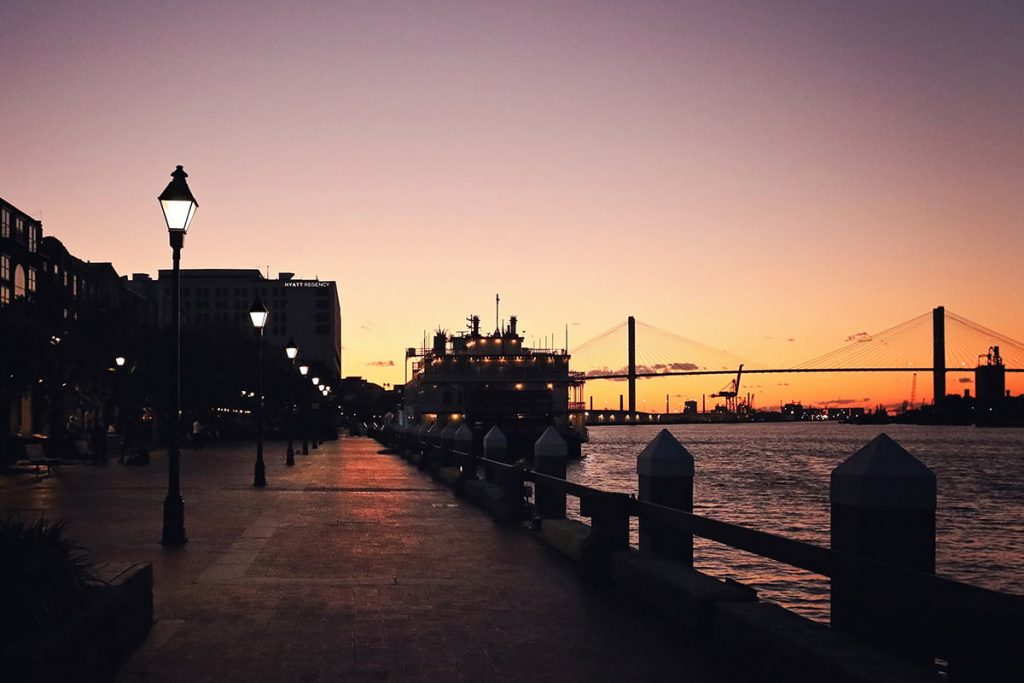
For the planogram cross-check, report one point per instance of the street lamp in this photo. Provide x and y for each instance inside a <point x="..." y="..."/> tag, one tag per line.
<point x="316" y="438"/>
<point x="303" y="370"/>
<point x="119" y="361"/>
<point x="259" y="314"/>
<point x="290" y="350"/>
<point x="178" y="206"/>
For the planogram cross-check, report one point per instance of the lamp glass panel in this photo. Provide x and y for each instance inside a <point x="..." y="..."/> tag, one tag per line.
<point x="259" y="318"/>
<point x="178" y="213"/>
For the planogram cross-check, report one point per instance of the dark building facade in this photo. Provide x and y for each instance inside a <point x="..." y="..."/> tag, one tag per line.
<point x="307" y="311"/>
<point x="20" y="260"/>
<point x="20" y="267"/>
<point x="63" y="322"/>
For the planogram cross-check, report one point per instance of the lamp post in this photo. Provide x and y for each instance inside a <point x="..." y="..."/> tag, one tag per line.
<point x="119" y="362"/>
<point x="291" y="350"/>
<point x="314" y="440"/>
<point x="303" y="369"/>
<point x="259" y="314"/>
<point x="178" y="206"/>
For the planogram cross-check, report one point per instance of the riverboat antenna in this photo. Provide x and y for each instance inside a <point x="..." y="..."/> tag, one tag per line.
<point x="497" y="301"/>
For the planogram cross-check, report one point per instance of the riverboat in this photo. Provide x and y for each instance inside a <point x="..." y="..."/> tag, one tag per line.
<point x="486" y="380"/>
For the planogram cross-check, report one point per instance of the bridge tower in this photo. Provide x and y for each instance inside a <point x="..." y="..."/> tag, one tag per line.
<point x="632" y="364"/>
<point x="939" y="353"/>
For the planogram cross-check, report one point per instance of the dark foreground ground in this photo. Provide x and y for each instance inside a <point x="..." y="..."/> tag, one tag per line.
<point x="350" y="566"/>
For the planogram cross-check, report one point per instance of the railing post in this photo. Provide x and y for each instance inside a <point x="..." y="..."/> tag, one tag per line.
<point x="665" y="471"/>
<point x="609" y="529"/>
<point x="463" y="440"/>
<point x="421" y="444"/>
<point x="549" y="455"/>
<point x="408" y="440"/>
<point x="495" y="447"/>
<point x="510" y="505"/>
<point x="447" y="444"/>
<point x="431" y="447"/>
<point x="883" y="509"/>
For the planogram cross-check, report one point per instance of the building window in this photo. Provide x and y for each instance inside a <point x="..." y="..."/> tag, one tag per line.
<point x="19" y="281"/>
<point x="5" y="294"/>
<point x="19" y="233"/>
<point x="32" y="280"/>
<point x="32" y="238"/>
<point x="5" y="223"/>
<point x="5" y="267"/>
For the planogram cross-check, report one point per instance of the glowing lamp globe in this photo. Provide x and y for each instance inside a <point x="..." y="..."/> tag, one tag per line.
<point x="259" y="314"/>
<point x="177" y="202"/>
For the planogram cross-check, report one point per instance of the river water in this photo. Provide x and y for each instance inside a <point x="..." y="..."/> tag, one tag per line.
<point x="775" y="477"/>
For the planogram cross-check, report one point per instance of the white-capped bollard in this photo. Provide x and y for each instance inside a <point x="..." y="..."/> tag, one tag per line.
<point x="883" y="508"/>
<point x="665" y="472"/>
<point x="549" y="456"/>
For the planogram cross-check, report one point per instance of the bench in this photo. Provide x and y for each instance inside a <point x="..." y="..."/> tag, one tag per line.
<point x="36" y="456"/>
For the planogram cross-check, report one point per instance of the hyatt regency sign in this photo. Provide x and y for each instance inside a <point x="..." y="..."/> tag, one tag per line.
<point x="307" y="283"/>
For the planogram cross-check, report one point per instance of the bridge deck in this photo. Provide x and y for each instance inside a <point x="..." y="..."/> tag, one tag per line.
<point x="350" y="566"/>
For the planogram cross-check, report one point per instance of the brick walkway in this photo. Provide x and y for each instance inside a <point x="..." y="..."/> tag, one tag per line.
<point x="351" y="566"/>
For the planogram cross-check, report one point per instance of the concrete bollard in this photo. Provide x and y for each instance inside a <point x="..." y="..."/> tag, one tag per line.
<point x="404" y="440"/>
<point x="463" y="441"/>
<point x="447" y="444"/>
<point x="665" y="471"/>
<point x="549" y="456"/>
<point x="431" y="446"/>
<point x="495" y="447"/>
<point x="883" y="509"/>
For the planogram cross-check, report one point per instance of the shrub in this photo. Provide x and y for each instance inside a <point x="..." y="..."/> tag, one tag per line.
<point x="43" y="576"/>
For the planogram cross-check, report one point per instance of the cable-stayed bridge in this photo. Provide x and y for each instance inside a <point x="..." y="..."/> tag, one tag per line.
<point x="937" y="342"/>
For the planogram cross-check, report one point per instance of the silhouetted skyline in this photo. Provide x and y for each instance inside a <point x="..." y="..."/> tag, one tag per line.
<point x="770" y="179"/>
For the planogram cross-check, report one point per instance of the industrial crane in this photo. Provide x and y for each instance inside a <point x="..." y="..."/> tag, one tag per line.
<point x="730" y="391"/>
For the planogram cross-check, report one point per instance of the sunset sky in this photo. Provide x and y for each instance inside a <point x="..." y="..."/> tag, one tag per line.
<point x="766" y="178"/>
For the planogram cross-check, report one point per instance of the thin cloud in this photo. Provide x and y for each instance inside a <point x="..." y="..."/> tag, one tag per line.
<point x="657" y="368"/>
<point x="382" y="363"/>
<point x="366" y="327"/>
<point x="859" y="337"/>
<point x="965" y="380"/>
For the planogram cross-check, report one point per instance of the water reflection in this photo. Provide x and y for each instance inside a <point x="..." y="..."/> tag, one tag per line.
<point x="775" y="478"/>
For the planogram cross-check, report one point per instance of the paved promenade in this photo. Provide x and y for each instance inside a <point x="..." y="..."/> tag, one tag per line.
<point x="350" y="566"/>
